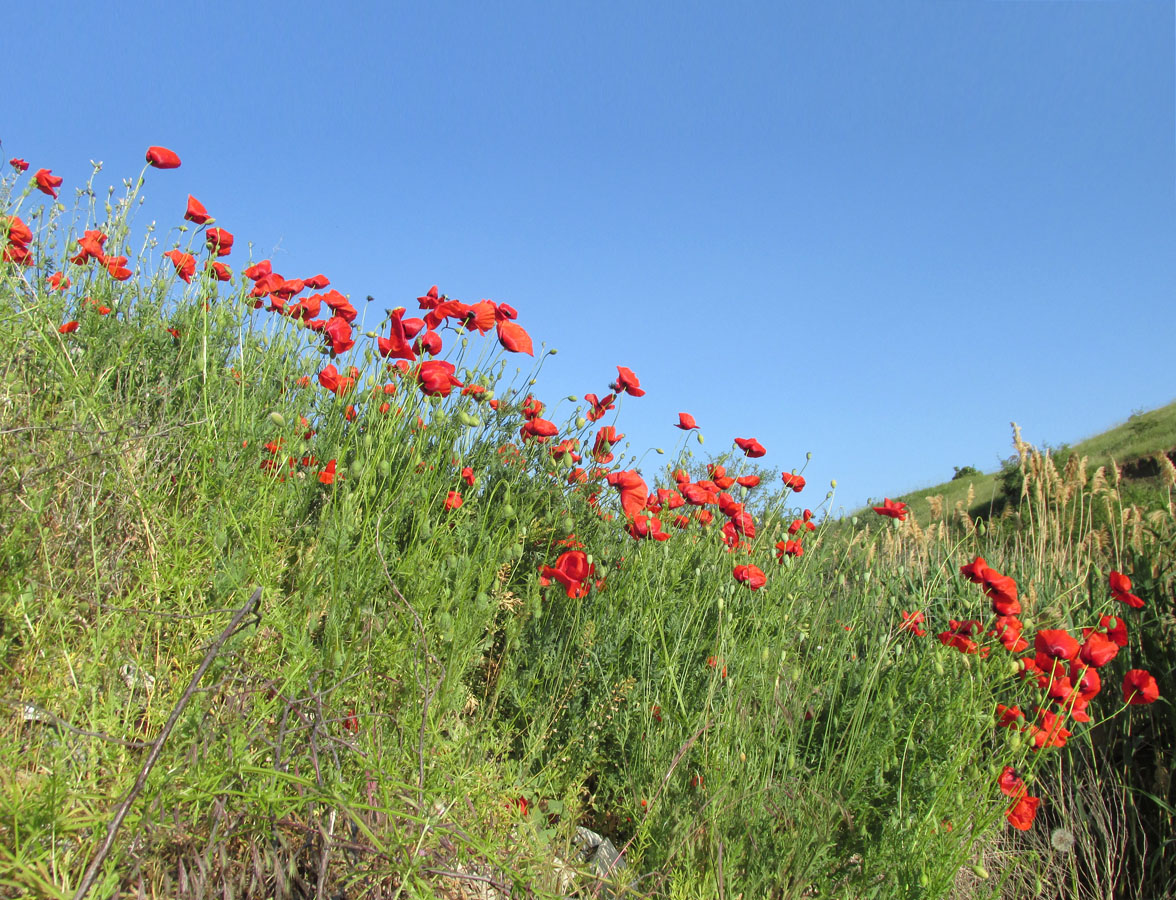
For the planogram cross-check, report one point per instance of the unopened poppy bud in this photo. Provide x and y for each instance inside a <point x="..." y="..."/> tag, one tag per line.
<point x="370" y="334"/>
<point x="828" y="495"/>
<point x="581" y="421"/>
<point x="808" y="456"/>
<point x="572" y="398"/>
<point x="980" y="872"/>
<point x="698" y="437"/>
<point x="552" y="352"/>
<point x="833" y="484"/>
<point x="470" y="421"/>
<point x="660" y="451"/>
<point x="722" y="603"/>
<point x="278" y="419"/>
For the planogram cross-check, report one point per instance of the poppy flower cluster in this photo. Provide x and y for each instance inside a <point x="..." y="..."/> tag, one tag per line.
<point x="1065" y="669"/>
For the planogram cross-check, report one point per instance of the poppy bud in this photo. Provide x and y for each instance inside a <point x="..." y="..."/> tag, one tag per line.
<point x="980" y="872"/>
<point x="581" y="422"/>
<point x="572" y="398"/>
<point x="470" y="421"/>
<point x="277" y="418"/>
<point x="808" y="456"/>
<point x="698" y="436"/>
<point x="833" y="484"/>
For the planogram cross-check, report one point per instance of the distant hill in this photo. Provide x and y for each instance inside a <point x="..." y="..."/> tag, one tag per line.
<point x="1134" y="446"/>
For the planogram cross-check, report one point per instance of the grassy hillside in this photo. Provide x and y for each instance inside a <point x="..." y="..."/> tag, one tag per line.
<point x="288" y="610"/>
<point x="1133" y="446"/>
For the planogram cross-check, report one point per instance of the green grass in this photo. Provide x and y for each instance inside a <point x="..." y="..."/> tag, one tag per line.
<point x="422" y="705"/>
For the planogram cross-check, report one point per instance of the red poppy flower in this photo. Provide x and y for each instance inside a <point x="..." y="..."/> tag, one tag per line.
<point x="752" y="576"/>
<point x="257" y="271"/>
<point x="338" y="332"/>
<point x="686" y="421"/>
<point x="539" y="429"/>
<point x="599" y="407"/>
<point x="1115" y="628"/>
<point x="646" y="526"/>
<point x="974" y="571"/>
<point x="327" y="475"/>
<point x="895" y="509"/>
<point x="429" y="342"/>
<point x="68" y="328"/>
<point x="627" y="382"/>
<point x="220" y="271"/>
<point x="318" y="282"/>
<point x="1121" y="590"/>
<point x="1011" y="784"/>
<point x="58" y="281"/>
<point x="1007" y="716"/>
<point x="1050" y="733"/>
<point x="743" y="523"/>
<point x="697" y="495"/>
<point x="960" y="636"/>
<point x="751" y="447"/>
<point x="185" y="264"/>
<point x="198" y="214"/>
<point x="1002" y="590"/>
<point x="162" y="158"/>
<point x="603" y="444"/>
<point x="1098" y="649"/>
<point x="514" y="338"/>
<point x="436" y="378"/>
<point x="571" y="570"/>
<point x="19" y="164"/>
<point x="219" y="241"/>
<point x="48" y="183"/>
<point x="1056" y="643"/>
<point x="482" y="316"/>
<point x="789" y="548"/>
<point x="396" y="344"/>
<point x="1022" y="813"/>
<point x="90" y="247"/>
<point x="748" y="481"/>
<point x="117" y="267"/>
<point x="338" y="384"/>
<point x="794" y="483"/>
<point x="633" y="489"/>
<point x="18" y="232"/>
<point x="913" y="622"/>
<point x="1086" y="679"/>
<point x="670" y="498"/>
<point x="453" y="500"/>
<point x="1140" y="688"/>
<point x="1007" y="630"/>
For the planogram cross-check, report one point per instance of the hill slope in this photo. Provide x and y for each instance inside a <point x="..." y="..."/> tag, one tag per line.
<point x="1133" y="446"/>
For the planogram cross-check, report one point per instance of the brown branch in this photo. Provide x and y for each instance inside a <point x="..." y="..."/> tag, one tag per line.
<point x="157" y="748"/>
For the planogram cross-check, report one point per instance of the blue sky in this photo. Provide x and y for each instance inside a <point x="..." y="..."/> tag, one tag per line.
<point x="878" y="232"/>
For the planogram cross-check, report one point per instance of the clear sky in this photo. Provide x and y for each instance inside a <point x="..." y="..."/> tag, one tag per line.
<point x="877" y="231"/>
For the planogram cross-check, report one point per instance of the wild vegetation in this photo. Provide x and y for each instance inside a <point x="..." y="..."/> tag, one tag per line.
<point x="481" y="625"/>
